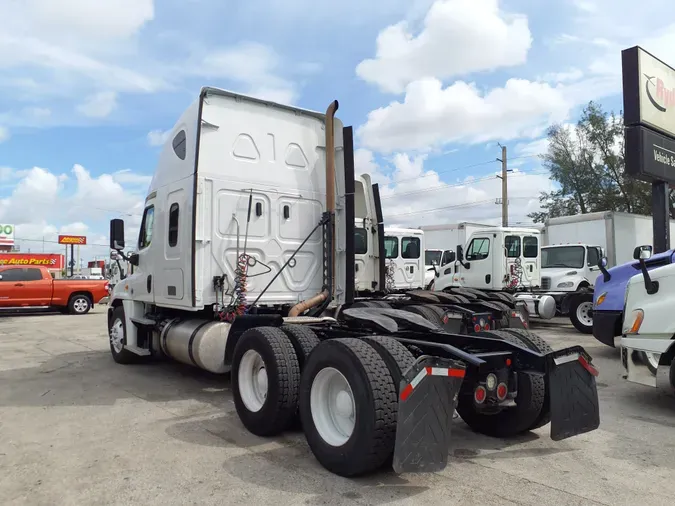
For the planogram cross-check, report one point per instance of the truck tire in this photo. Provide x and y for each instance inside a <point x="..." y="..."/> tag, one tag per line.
<point x="424" y="312"/>
<point x="348" y="407"/>
<point x="265" y="380"/>
<point x="118" y="334"/>
<point x="511" y="421"/>
<point x="580" y="313"/>
<point x="79" y="304"/>
<point x="304" y="340"/>
<point x="506" y="297"/>
<point x="536" y="343"/>
<point x="395" y="355"/>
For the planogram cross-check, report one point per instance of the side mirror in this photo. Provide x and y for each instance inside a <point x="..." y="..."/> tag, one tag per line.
<point x="460" y="253"/>
<point x="642" y="252"/>
<point x="602" y="265"/>
<point x="117" y="234"/>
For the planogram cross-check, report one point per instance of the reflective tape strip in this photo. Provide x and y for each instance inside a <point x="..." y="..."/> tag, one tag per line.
<point x="430" y="371"/>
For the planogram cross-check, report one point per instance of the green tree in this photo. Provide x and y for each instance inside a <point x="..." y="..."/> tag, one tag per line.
<point x="588" y="163"/>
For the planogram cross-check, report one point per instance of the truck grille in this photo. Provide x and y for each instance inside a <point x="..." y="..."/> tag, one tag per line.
<point x="546" y="282"/>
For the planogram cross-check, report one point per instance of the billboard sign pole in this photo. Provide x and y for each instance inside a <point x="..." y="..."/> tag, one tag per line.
<point x="649" y="116"/>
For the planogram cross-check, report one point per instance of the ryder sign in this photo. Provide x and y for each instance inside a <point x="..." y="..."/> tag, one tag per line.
<point x="648" y="91"/>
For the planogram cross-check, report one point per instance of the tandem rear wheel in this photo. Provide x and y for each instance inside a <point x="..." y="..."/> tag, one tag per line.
<point x="345" y="393"/>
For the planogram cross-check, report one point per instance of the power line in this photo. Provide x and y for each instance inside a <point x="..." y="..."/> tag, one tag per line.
<point x="456" y="185"/>
<point x="429" y="173"/>
<point x="457" y="206"/>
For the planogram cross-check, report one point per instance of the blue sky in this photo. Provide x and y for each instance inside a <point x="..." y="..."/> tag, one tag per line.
<point x="431" y="87"/>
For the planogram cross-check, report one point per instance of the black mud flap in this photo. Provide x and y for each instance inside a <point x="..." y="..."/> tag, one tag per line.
<point x="574" y="395"/>
<point x="425" y="407"/>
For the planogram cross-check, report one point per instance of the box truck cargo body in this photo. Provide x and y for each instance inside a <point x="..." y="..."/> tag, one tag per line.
<point x="446" y="237"/>
<point x="617" y="233"/>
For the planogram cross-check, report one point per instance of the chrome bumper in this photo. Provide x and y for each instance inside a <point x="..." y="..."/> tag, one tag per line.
<point x="640" y="363"/>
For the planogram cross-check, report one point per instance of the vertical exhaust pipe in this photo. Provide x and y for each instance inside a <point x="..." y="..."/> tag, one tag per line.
<point x="303" y="306"/>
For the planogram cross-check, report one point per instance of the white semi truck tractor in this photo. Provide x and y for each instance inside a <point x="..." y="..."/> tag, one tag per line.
<point x="245" y="265"/>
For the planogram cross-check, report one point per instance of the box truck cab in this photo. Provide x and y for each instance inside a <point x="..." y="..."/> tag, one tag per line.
<point x="648" y="330"/>
<point x="569" y="267"/>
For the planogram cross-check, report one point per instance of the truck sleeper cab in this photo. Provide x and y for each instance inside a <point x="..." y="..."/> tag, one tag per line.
<point x="648" y="330"/>
<point x="245" y="264"/>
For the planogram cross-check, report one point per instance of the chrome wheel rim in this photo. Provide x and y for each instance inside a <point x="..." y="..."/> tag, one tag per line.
<point x="117" y="335"/>
<point x="80" y="304"/>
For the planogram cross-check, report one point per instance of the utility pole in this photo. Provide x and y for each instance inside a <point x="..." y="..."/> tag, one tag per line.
<point x="505" y="188"/>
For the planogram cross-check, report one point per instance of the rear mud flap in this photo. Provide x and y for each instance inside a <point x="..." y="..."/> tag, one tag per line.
<point x="573" y="392"/>
<point x="426" y="404"/>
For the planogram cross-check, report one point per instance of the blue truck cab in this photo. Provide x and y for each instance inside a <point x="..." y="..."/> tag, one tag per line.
<point x="609" y="295"/>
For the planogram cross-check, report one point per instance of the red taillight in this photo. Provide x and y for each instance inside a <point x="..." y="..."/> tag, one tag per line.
<point x="476" y="328"/>
<point x="487" y="326"/>
<point x="508" y="362"/>
<point x="502" y="390"/>
<point x="479" y="394"/>
<point x="107" y="286"/>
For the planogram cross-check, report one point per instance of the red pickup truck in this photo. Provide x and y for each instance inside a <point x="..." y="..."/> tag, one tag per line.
<point x="34" y="288"/>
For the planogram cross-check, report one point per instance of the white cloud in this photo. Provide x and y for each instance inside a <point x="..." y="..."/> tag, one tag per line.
<point x="127" y="176"/>
<point x="412" y="195"/>
<point x="4" y="133"/>
<point x="101" y="19"/>
<point x="37" y="112"/>
<point x="99" y="105"/>
<point x="255" y="66"/>
<point x="41" y="205"/>
<point x="431" y="116"/>
<point x="459" y="37"/>
<point x="158" y="137"/>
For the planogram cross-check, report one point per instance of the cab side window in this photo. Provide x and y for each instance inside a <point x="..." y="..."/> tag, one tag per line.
<point x="593" y="257"/>
<point x="410" y="246"/>
<point x="21" y="274"/>
<point x="530" y="247"/>
<point x="147" y="224"/>
<point x="173" y="225"/>
<point x="479" y="249"/>
<point x="448" y="256"/>
<point x="512" y="246"/>
<point x="391" y="247"/>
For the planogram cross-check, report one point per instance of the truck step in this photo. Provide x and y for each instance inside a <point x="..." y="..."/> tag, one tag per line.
<point x="143" y="322"/>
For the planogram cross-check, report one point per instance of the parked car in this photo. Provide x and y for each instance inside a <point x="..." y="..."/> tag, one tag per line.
<point x="34" y="288"/>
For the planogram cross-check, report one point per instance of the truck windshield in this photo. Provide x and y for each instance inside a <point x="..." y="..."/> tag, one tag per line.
<point x="432" y="257"/>
<point x="567" y="256"/>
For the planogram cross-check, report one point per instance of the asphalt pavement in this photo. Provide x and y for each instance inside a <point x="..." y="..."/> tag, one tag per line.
<point x="78" y="429"/>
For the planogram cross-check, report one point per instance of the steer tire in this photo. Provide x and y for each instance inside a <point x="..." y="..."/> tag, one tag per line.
<point x="121" y="355"/>
<point x="79" y="304"/>
<point x="279" y="408"/>
<point x="371" y="443"/>
<point x="574" y="318"/>
<point x="395" y="355"/>
<point x="304" y="340"/>
<point x="426" y="313"/>
<point x="510" y="421"/>
<point x="536" y="343"/>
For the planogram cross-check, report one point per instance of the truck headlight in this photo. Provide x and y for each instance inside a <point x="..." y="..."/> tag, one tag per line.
<point x="601" y="298"/>
<point x="566" y="284"/>
<point x="633" y="322"/>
